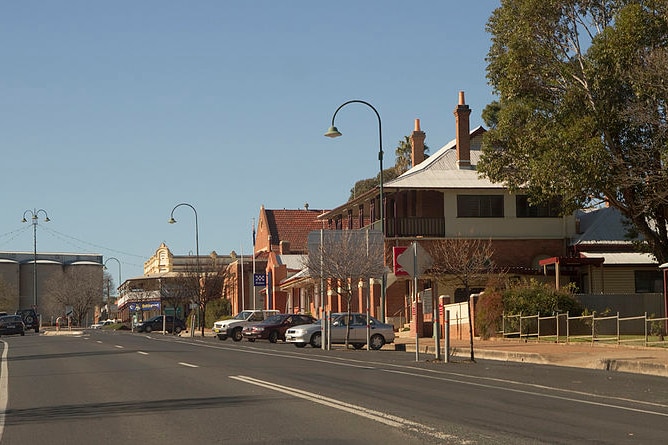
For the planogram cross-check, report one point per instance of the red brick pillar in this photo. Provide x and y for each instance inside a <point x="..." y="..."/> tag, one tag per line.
<point x="417" y="320"/>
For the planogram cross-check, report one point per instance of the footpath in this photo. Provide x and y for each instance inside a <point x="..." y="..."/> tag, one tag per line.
<point x="604" y="356"/>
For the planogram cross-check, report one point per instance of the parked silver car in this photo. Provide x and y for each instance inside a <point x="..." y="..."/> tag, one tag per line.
<point x="380" y="333"/>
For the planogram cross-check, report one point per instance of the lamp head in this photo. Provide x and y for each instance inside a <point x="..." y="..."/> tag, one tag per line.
<point x="333" y="132"/>
<point x="47" y="219"/>
<point x="172" y="220"/>
<point x="24" y="219"/>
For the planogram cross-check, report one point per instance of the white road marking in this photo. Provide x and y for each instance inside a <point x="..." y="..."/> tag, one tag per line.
<point x="496" y="383"/>
<point x="189" y="365"/>
<point x="378" y="416"/>
<point x="119" y="346"/>
<point x="142" y="352"/>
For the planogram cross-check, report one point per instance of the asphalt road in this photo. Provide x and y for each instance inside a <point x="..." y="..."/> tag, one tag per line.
<point x="110" y="387"/>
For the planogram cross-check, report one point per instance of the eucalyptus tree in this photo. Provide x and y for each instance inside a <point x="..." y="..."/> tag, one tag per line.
<point x="581" y="110"/>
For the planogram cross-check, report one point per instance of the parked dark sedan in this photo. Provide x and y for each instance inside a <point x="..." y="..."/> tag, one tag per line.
<point x="171" y="324"/>
<point x="12" y="324"/>
<point x="274" y="327"/>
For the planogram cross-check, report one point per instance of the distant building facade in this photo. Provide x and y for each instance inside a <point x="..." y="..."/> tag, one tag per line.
<point x="142" y="297"/>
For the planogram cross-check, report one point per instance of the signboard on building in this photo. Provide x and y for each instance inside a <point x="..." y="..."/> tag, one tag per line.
<point x="259" y="279"/>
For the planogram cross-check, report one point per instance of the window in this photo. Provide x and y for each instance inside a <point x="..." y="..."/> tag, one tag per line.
<point x="648" y="281"/>
<point x="526" y="210"/>
<point x="480" y="206"/>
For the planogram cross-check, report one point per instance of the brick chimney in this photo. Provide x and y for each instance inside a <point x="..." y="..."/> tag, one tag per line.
<point x="462" y="113"/>
<point x="417" y="144"/>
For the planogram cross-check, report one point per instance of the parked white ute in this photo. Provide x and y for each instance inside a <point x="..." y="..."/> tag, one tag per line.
<point x="232" y="327"/>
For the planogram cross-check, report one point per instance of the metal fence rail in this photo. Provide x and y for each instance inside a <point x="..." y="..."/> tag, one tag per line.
<point x="562" y="328"/>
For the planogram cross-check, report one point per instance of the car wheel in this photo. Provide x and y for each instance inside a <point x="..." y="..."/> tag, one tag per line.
<point x="37" y="330"/>
<point x="273" y="336"/>
<point x="300" y="345"/>
<point x="251" y="340"/>
<point x="147" y="329"/>
<point x="177" y="330"/>
<point x="358" y="345"/>
<point x="236" y="334"/>
<point x="316" y="340"/>
<point x="376" y="342"/>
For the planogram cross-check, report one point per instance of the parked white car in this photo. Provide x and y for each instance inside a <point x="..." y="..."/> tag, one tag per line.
<point x="101" y="324"/>
<point x="233" y="327"/>
<point x="380" y="333"/>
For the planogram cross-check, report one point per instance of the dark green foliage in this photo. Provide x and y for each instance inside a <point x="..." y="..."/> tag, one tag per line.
<point x="533" y="297"/>
<point x="364" y="185"/>
<point x="527" y="298"/>
<point x="581" y="110"/>
<point x="217" y="310"/>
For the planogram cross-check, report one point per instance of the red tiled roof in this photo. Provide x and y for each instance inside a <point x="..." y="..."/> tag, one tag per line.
<point x="293" y="226"/>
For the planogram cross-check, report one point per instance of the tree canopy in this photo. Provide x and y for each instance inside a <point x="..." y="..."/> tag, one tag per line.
<point x="401" y="165"/>
<point x="581" y="110"/>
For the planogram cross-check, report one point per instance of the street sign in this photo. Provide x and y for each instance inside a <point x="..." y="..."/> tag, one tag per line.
<point x="259" y="279"/>
<point x="397" y="268"/>
<point x="415" y="254"/>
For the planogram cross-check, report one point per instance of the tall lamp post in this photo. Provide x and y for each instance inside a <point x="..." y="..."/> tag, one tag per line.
<point x="199" y="271"/>
<point x="119" y="281"/>
<point x="333" y="132"/>
<point x="119" y="268"/>
<point x="34" y="215"/>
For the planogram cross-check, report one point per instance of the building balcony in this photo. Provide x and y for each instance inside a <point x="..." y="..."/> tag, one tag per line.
<point x="414" y="226"/>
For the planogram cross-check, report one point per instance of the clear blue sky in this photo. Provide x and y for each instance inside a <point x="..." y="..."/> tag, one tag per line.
<point x="114" y="112"/>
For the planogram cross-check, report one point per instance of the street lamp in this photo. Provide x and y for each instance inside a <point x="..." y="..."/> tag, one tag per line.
<point x="199" y="271"/>
<point x="333" y="132"/>
<point x="119" y="282"/>
<point x="119" y="268"/>
<point x="34" y="215"/>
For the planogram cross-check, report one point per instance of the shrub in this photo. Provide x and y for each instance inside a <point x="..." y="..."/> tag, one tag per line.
<point x="217" y="310"/>
<point x="533" y="297"/>
<point x="488" y="313"/>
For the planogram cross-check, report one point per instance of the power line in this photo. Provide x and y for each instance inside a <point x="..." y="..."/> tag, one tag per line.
<point x="14" y="234"/>
<point x="66" y="238"/>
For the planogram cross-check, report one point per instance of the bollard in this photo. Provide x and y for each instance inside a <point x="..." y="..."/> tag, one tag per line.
<point x="446" y="334"/>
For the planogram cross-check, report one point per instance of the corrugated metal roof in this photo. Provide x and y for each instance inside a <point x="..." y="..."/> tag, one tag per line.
<point x="605" y="225"/>
<point x="622" y="257"/>
<point x="292" y="261"/>
<point x="441" y="171"/>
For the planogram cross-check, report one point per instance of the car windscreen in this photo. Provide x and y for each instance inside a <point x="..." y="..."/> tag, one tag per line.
<point x="242" y="315"/>
<point x="274" y="319"/>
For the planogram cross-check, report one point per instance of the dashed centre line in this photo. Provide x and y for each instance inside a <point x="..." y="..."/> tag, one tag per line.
<point x="189" y="365"/>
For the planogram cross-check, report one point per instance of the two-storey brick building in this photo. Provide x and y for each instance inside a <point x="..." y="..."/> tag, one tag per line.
<point x="443" y="197"/>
